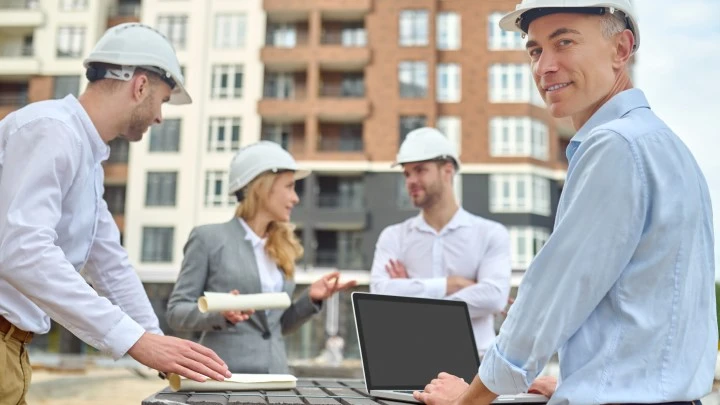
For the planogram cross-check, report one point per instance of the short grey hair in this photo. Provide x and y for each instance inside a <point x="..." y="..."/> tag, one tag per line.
<point x="612" y="24"/>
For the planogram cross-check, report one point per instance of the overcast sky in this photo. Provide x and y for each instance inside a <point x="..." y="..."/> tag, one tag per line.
<point x="679" y="70"/>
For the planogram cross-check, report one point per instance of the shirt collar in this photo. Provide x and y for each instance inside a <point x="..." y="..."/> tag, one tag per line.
<point x="100" y="150"/>
<point x="618" y="106"/>
<point x="460" y="219"/>
<point x="250" y="235"/>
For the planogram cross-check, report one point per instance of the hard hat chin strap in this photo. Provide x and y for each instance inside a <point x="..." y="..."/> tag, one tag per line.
<point x="125" y="73"/>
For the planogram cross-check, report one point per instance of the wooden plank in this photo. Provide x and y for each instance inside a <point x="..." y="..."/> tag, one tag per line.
<point x="209" y="398"/>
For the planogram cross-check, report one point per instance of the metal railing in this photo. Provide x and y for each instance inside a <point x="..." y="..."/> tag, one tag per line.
<point x="13" y="99"/>
<point x="14" y="52"/>
<point x="299" y="38"/>
<point x="19" y="4"/>
<point x="341" y="144"/>
<point x="348" y="38"/>
<point x="349" y="90"/>
<point x="296" y="93"/>
<point x="337" y="200"/>
<point x="333" y="258"/>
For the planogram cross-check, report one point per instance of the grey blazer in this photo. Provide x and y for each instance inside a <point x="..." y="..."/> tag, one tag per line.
<point x="219" y="258"/>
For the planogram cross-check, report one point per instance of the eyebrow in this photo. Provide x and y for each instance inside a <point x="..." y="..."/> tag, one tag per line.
<point x="560" y="31"/>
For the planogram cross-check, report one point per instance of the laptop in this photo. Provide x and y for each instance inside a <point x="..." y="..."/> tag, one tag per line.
<point x="405" y="342"/>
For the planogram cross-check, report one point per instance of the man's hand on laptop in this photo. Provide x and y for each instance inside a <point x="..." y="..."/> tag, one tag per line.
<point x="544" y="385"/>
<point x="457" y="283"/>
<point x="443" y="390"/>
<point x="396" y="269"/>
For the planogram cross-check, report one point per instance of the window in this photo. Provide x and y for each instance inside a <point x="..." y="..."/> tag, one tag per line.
<point x="341" y="249"/>
<point x="525" y="243"/>
<point x="281" y="35"/>
<point x="518" y="136"/>
<point x="448" y="31"/>
<point x="73" y="5"/>
<point x="119" y="151"/>
<point x="157" y="244"/>
<point x="115" y="198"/>
<point x="174" y="27"/>
<point x="410" y="122"/>
<point x="161" y="189"/>
<point x="166" y="136"/>
<point x="227" y="81"/>
<point x="278" y="133"/>
<point x="520" y="193"/>
<point x="280" y="85"/>
<point x="70" y="42"/>
<point x="224" y="134"/>
<point x="448" y="82"/>
<point x="499" y="39"/>
<point x="413" y="28"/>
<point x="230" y="31"/>
<point x="340" y="192"/>
<point x="413" y="79"/>
<point x="513" y="83"/>
<point x="216" y="189"/>
<point x="64" y="85"/>
<point x="353" y="34"/>
<point x="403" y="198"/>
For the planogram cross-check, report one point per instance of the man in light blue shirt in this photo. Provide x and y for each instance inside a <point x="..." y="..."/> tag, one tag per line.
<point x="623" y="290"/>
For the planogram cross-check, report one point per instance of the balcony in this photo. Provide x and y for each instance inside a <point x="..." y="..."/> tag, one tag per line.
<point x="342" y="260"/>
<point x="124" y="12"/>
<point x="286" y="47"/>
<point x="290" y="136"/>
<point x="21" y="13"/>
<point x="284" y="95"/>
<point x="11" y="101"/>
<point x="340" y="138"/>
<point x="18" y="60"/>
<point x="350" y="9"/>
<point x="342" y="249"/>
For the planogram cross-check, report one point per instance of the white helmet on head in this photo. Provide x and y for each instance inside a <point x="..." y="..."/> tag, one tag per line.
<point x="258" y="158"/>
<point x="425" y="144"/>
<point x="133" y="45"/>
<point x="529" y="10"/>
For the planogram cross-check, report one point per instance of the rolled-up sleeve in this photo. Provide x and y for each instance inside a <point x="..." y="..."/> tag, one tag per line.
<point x="38" y="170"/>
<point x="599" y="225"/>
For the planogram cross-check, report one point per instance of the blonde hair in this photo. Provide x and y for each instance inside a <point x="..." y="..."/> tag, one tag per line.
<point x="282" y="245"/>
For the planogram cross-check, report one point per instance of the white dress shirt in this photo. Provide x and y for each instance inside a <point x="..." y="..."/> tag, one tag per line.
<point x="271" y="277"/>
<point x="54" y="222"/>
<point x="468" y="246"/>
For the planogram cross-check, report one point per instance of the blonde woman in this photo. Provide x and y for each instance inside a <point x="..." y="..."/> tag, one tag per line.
<point x="252" y="253"/>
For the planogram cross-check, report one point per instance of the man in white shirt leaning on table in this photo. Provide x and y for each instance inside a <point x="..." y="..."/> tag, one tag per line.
<point x="445" y="251"/>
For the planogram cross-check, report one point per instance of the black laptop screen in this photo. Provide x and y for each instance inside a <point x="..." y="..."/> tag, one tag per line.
<point x="406" y="342"/>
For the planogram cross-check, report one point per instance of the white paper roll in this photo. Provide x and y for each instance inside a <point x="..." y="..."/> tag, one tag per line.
<point x="219" y="302"/>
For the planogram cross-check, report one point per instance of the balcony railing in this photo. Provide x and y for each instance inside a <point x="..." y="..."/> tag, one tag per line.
<point x="19" y="4"/>
<point x="288" y="39"/>
<point x="333" y="258"/>
<point x="341" y="144"/>
<point x="297" y="92"/>
<point x="349" y="38"/>
<point x="15" y="52"/>
<point x="337" y="200"/>
<point x="348" y="89"/>
<point x="13" y="99"/>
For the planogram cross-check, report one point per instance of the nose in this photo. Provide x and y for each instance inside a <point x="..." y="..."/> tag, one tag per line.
<point x="546" y="64"/>
<point x="159" y="119"/>
<point x="295" y="198"/>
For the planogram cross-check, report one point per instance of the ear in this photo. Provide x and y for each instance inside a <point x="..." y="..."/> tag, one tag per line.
<point x="624" y="43"/>
<point x="140" y="87"/>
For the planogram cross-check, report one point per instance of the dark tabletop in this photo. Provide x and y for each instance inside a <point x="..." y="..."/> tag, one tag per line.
<point x="309" y="391"/>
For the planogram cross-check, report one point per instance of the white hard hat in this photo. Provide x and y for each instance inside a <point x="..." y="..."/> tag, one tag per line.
<point x="132" y="45"/>
<point x="425" y="144"/>
<point x="529" y="10"/>
<point x="258" y="158"/>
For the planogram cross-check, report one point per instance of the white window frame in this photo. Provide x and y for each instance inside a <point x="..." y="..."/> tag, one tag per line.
<point x="227" y="125"/>
<point x="500" y="39"/>
<point x="448" y="31"/>
<point x="518" y="136"/>
<point x="70" y="41"/>
<point x="73" y="5"/>
<point x="230" y="30"/>
<point x="414" y="27"/>
<point x="175" y="28"/>
<point x="282" y="35"/>
<point x="449" y="83"/>
<point x="512" y="83"/>
<point x="156" y="238"/>
<point x="212" y="198"/>
<point x="231" y="91"/>
<point x="524" y="193"/>
<point x="451" y="127"/>
<point x="413" y="72"/>
<point x="525" y="243"/>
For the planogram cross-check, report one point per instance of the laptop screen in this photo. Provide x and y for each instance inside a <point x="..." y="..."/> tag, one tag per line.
<point x="406" y="342"/>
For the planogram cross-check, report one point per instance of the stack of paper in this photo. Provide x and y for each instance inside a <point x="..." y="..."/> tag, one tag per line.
<point x="238" y="382"/>
<point x="219" y="302"/>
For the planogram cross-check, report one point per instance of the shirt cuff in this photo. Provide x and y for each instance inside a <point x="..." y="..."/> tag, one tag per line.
<point x="500" y="376"/>
<point x="123" y="336"/>
<point x="435" y="287"/>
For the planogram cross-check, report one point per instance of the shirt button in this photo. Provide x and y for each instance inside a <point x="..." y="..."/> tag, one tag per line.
<point x="266" y="335"/>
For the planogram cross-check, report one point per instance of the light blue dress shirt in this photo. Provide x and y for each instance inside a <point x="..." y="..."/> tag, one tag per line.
<point x="624" y="289"/>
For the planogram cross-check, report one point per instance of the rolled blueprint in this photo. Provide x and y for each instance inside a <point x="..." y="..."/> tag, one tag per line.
<point x="219" y="302"/>
<point x="238" y="382"/>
